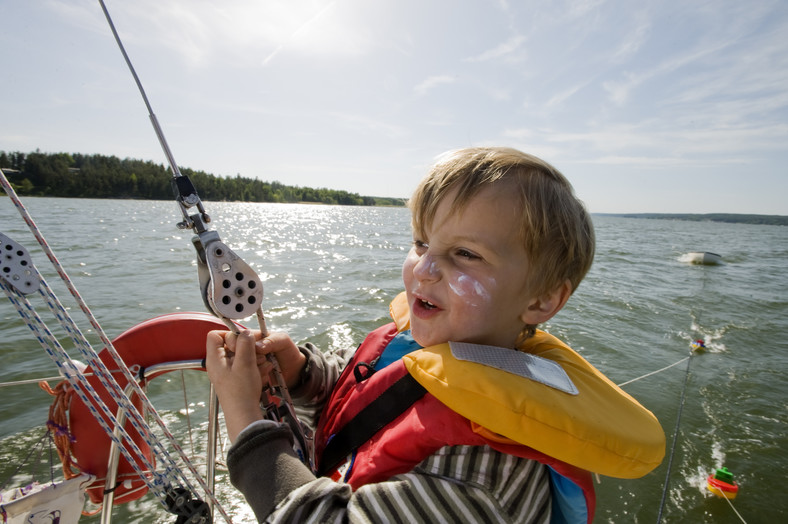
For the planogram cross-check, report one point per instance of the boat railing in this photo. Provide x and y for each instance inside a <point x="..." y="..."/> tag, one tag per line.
<point x="114" y="454"/>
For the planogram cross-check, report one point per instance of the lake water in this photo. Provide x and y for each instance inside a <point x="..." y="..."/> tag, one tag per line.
<point x="329" y="273"/>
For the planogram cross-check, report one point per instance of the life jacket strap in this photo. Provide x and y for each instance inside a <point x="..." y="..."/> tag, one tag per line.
<point x="377" y="414"/>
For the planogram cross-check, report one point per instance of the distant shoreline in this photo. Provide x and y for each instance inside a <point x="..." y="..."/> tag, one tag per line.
<point x="733" y="218"/>
<point x="75" y="175"/>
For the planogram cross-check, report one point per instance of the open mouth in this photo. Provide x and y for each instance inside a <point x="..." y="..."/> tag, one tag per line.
<point x="427" y="304"/>
<point x="422" y="307"/>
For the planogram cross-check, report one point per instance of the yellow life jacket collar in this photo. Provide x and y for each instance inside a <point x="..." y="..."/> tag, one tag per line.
<point x="599" y="428"/>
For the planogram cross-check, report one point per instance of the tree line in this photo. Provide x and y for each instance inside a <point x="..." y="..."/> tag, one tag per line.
<point x="735" y="218"/>
<point x="98" y="176"/>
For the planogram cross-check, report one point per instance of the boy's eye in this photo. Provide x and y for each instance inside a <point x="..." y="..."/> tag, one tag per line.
<point x="420" y="245"/>
<point x="464" y="253"/>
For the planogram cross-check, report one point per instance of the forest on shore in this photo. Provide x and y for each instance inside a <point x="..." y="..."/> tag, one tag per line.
<point x="77" y="175"/>
<point x="738" y="218"/>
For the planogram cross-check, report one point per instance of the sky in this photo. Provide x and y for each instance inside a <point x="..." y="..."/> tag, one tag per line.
<point x="675" y="106"/>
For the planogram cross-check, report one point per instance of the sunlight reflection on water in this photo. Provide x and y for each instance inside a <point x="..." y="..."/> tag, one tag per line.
<point x="329" y="273"/>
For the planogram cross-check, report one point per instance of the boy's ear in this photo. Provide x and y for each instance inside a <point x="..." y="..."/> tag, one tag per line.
<point x="543" y="308"/>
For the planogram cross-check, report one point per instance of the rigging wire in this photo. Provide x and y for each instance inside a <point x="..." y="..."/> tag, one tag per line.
<point x="45" y="379"/>
<point x="34" y="380"/>
<point x="675" y="439"/>
<point x="172" y="472"/>
<point x="678" y="419"/>
<point x="82" y="388"/>
<point x="678" y="423"/>
<point x="212" y="254"/>
<point x="22" y="463"/>
<point x="159" y="133"/>
<point x="187" y="198"/>
<point x="186" y="411"/>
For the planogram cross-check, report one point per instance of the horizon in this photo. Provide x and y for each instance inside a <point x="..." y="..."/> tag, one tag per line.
<point x="634" y="214"/>
<point x="670" y="108"/>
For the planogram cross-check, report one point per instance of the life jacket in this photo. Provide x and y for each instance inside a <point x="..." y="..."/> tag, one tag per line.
<point x="587" y="424"/>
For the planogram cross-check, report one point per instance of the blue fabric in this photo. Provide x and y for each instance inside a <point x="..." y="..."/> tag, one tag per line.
<point x="569" y="503"/>
<point x="400" y="345"/>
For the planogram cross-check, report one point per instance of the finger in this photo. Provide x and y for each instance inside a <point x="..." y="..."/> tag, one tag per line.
<point x="265" y="367"/>
<point x="244" y="349"/>
<point x="232" y="338"/>
<point x="214" y="345"/>
<point x="230" y="341"/>
<point x="275" y="341"/>
<point x="263" y="347"/>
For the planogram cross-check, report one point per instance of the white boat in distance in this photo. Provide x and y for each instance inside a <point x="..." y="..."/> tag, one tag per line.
<point x="704" y="257"/>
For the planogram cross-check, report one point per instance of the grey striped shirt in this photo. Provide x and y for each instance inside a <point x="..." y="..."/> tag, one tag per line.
<point x="456" y="484"/>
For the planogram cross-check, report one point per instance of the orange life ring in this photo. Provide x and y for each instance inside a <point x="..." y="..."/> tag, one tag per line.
<point x="167" y="338"/>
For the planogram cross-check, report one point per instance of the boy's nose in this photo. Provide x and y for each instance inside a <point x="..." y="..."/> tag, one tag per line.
<point x="426" y="268"/>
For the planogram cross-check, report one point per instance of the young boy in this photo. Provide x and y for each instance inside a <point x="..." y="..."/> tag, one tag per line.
<point x="460" y="410"/>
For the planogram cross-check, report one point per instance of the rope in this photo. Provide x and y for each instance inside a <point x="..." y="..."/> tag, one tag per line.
<point x="172" y="474"/>
<point x="158" y="482"/>
<point x="734" y="509"/>
<point x="652" y="373"/>
<point x="58" y="425"/>
<point x="678" y="423"/>
<point x="675" y="439"/>
<point x="81" y="343"/>
<point x="78" y="382"/>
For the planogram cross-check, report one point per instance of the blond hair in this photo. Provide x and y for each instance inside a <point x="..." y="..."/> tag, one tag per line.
<point x="555" y="228"/>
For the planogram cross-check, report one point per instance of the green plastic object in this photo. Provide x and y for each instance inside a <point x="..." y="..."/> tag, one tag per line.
<point x="724" y="475"/>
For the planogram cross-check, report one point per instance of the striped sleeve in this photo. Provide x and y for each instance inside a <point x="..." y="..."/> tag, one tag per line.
<point x="456" y="484"/>
<point x="320" y="374"/>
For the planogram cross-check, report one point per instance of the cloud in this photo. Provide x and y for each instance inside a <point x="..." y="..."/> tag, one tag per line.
<point x="619" y="91"/>
<point x="616" y="86"/>
<point x="327" y="31"/>
<point x="502" y="50"/>
<point x="430" y="83"/>
<point x="581" y="8"/>
<point x="365" y="123"/>
<point x="633" y="42"/>
<point x="244" y="32"/>
<point x="559" y="98"/>
<point x="641" y="162"/>
<point x="657" y="143"/>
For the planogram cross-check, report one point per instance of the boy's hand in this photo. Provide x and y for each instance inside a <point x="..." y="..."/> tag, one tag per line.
<point x="232" y="367"/>
<point x="291" y="360"/>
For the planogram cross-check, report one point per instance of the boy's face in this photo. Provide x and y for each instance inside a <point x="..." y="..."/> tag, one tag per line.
<point x="466" y="281"/>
